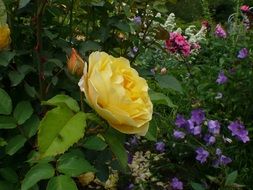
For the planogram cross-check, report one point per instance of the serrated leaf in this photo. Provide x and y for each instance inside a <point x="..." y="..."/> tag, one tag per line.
<point x="161" y="99"/>
<point x="14" y="144"/>
<point x="61" y="182"/>
<point x="67" y="129"/>
<point x="6" y="57"/>
<point x="36" y="173"/>
<point x="169" y="82"/>
<point x="60" y="99"/>
<point x="230" y="179"/>
<point x="73" y="164"/>
<point x="197" y="186"/>
<point x="23" y="3"/>
<point x="7" y="122"/>
<point x="22" y="111"/>
<point x="94" y="143"/>
<point x="116" y="142"/>
<point x="5" y="103"/>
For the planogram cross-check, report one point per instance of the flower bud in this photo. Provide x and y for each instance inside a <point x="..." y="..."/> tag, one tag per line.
<point x="4" y="36"/>
<point x="75" y="63"/>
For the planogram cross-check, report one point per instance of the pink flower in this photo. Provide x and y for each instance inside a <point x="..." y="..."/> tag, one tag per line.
<point x="220" y="32"/>
<point x="244" y="8"/>
<point x="178" y="44"/>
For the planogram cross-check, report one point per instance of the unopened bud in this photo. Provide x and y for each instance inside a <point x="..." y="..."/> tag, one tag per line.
<point x="75" y="63"/>
<point x="4" y="36"/>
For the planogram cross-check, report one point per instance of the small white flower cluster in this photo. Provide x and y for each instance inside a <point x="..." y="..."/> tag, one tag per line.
<point x="140" y="166"/>
<point x="170" y="23"/>
<point x="194" y="37"/>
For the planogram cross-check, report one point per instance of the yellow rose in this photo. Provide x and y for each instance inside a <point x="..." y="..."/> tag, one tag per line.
<point x="117" y="93"/>
<point x="4" y="36"/>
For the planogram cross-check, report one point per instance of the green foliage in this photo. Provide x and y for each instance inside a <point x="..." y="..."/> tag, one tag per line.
<point x="61" y="182"/>
<point x="37" y="173"/>
<point x="6" y="104"/>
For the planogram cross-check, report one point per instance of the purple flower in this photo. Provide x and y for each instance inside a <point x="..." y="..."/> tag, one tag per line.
<point x="160" y="146"/>
<point x="130" y="187"/>
<point x="202" y="155"/>
<point x="224" y="160"/>
<point x="178" y="134"/>
<point x="220" y="32"/>
<point x="176" y="184"/>
<point x="197" y="116"/>
<point x="196" y="130"/>
<point x="133" y="140"/>
<point x="243" y="53"/>
<point x="135" y="49"/>
<point x="221" y="78"/>
<point x="137" y="20"/>
<point x="239" y="131"/>
<point x="214" y="127"/>
<point x="181" y="122"/>
<point x="129" y="158"/>
<point x="209" y="139"/>
<point x="190" y="126"/>
<point x="218" y="152"/>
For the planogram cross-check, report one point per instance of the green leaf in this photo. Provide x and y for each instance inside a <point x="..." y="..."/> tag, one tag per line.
<point x="116" y="142"/>
<point x="152" y="131"/>
<point x="9" y="175"/>
<point x="15" y="144"/>
<point x="6" y="185"/>
<point x="5" y="103"/>
<point x="7" y="122"/>
<point x="161" y="99"/>
<point x="89" y="46"/>
<point x="169" y="82"/>
<point x="23" y="111"/>
<point x="6" y="57"/>
<point x="74" y="164"/>
<point x="67" y="129"/>
<point x="16" y="77"/>
<point x="36" y="173"/>
<point x="31" y="126"/>
<point x="61" y="182"/>
<point x="123" y="26"/>
<point x="63" y="99"/>
<point x="160" y="6"/>
<point x="30" y="90"/>
<point x="94" y="143"/>
<point x="230" y="179"/>
<point x="197" y="186"/>
<point x="2" y="143"/>
<point x="23" y="3"/>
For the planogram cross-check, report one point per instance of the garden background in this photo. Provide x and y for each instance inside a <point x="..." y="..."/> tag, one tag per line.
<point x="128" y="95"/>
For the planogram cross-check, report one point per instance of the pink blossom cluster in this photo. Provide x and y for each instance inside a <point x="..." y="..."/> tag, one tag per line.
<point x="244" y="8"/>
<point x="178" y="44"/>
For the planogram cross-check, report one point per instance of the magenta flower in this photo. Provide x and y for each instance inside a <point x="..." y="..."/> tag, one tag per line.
<point x="176" y="184"/>
<point x="222" y="79"/>
<point x="238" y="130"/>
<point x="244" y="8"/>
<point x="243" y="53"/>
<point x="220" y="32"/>
<point x="202" y="155"/>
